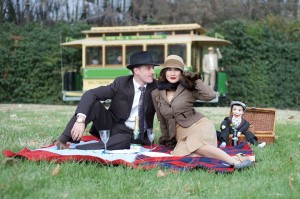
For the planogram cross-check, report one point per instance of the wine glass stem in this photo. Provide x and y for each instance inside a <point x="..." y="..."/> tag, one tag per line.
<point x="151" y="147"/>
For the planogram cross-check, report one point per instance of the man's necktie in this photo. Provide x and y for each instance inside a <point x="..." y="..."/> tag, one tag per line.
<point x="141" y="110"/>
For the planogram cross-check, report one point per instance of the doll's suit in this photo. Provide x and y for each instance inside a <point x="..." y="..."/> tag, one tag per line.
<point x="229" y="129"/>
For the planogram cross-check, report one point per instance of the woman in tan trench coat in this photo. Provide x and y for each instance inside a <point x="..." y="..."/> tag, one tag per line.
<point x="180" y="123"/>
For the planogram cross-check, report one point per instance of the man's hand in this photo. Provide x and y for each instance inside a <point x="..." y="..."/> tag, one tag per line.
<point x="239" y="134"/>
<point x="77" y="131"/>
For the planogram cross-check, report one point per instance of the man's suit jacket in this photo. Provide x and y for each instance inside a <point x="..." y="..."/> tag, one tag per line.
<point x="121" y="93"/>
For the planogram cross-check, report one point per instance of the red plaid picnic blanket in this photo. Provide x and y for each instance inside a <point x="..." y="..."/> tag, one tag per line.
<point x="174" y="163"/>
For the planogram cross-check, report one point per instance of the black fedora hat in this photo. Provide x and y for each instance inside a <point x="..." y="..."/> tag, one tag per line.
<point x="141" y="58"/>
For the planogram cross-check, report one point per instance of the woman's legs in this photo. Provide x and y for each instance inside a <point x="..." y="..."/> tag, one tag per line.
<point x="211" y="151"/>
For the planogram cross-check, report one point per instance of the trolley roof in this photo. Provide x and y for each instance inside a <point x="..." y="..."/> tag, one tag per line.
<point x="147" y="28"/>
<point x="98" y="40"/>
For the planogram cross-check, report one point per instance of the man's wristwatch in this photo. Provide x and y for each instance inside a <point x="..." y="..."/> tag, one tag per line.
<point x="80" y="119"/>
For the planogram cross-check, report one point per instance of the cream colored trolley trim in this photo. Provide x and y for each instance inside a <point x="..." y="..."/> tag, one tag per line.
<point x="188" y="53"/>
<point x="83" y="56"/>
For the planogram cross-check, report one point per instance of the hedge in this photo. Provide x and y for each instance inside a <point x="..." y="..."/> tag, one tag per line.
<point x="263" y="62"/>
<point x="30" y="61"/>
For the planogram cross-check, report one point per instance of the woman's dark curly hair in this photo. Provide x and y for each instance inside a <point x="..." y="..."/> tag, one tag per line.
<point x="188" y="80"/>
<point x="163" y="83"/>
<point x="162" y="75"/>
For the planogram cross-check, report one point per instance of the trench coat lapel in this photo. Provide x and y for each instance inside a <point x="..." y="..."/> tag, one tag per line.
<point x="163" y="95"/>
<point x="178" y="91"/>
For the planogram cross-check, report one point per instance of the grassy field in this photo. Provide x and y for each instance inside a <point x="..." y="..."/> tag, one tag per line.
<point x="276" y="173"/>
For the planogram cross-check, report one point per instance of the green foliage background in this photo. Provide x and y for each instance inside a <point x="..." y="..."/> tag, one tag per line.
<point x="263" y="62"/>
<point x="30" y="61"/>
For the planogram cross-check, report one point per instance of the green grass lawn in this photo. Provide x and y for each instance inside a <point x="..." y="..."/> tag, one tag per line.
<point x="276" y="173"/>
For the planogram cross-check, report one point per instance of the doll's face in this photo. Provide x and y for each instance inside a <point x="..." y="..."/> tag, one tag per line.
<point x="237" y="111"/>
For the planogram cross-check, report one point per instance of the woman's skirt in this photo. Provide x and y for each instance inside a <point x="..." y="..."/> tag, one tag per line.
<point x="194" y="137"/>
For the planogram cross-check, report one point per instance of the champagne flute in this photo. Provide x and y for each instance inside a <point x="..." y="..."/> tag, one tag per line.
<point x="104" y="135"/>
<point x="151" y="136"/>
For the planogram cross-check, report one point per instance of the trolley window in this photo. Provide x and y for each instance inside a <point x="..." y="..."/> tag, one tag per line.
<point x="157" y="52"/>
<point x="94" y="56"/>
<point x="112" y="54"/>
<point x="131" y="50"/>
<point x="146" y="33"/>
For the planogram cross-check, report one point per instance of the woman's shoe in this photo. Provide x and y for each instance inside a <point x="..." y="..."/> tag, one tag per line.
<point x="244" y="164"/>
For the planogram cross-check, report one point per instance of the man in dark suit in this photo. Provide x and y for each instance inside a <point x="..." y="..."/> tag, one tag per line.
<point x="119" y="118"/>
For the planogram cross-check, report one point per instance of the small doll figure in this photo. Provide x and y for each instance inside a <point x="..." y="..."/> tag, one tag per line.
<point x="235" y="123"/>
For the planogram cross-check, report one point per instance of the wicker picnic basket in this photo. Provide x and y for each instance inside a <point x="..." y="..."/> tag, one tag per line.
<point x="262" y="122"/>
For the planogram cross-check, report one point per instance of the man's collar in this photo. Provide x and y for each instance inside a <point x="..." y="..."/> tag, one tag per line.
<point x="136" y="85"/>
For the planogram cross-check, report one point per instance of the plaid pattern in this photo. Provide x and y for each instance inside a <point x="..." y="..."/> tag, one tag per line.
<point x="175" y="163"/>
<point x="190" y="163"/>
